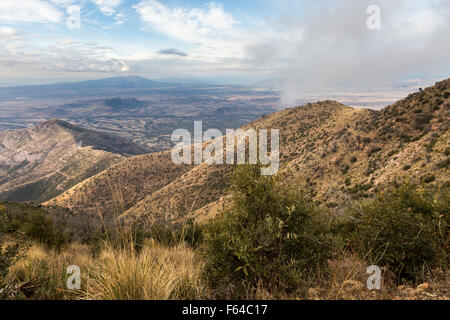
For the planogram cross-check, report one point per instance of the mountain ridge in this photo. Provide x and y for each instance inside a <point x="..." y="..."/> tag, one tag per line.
<point x="336" y="152"/>
<point x="39" y="162"/>
<point x="116" y="82"/>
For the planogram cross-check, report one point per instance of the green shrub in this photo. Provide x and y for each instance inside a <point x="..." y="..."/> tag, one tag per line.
<point x="3" y="220"/>
<point x="429" y="147"/>
<point x="428" y="178"/>
<point x="191" y="233"/>
<point x="272" y="236"/>
<point x="405" y="230"/>
<point x="424" y="118"/>
<point x="345" y="169"/>
<point x="7" y="255"/>
<point x="447" y="151"/>
<point x="41" y="228"/>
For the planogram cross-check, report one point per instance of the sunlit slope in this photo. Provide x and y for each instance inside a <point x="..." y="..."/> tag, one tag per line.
<point x="335" y="151"/>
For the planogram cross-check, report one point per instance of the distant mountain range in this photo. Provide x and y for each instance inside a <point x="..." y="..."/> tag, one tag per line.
<point x="122" y="82"/>
<point x="88" y="87"/>
<point x="127" y="82"/>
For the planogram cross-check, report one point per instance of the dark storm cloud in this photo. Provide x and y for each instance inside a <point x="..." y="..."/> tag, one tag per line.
<point x="173" y="52"/>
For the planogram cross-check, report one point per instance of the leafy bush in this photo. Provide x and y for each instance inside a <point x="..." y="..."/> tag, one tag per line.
<point x="7" y="255"/>
<point x="424" y="118"/>
<point x="272" y="237"/>
<point x="405" y="230"/>
<point x="429" y="147"/>
<point x="3" y="220"/>
<point x="447" y="151"/>
<point x="41" y="228"/>
<point x="345" y="169"/>
<point x="428" y="178"/>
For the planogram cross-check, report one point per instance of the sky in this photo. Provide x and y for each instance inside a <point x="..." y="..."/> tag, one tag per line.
<point x="314" y="45"/>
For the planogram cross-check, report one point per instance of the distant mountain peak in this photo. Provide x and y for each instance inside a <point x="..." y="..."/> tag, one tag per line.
<point x="121" y="82"/>
<point x="134" y="78"/>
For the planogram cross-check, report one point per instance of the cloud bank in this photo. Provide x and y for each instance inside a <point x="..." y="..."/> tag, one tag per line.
<point x="333" y="46"/>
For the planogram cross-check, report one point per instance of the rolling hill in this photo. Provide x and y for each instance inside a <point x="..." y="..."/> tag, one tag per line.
<point x="337" y="152"/>
<point x="38" y="163"/>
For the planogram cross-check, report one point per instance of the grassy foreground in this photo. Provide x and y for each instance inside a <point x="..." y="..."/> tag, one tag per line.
<point x="156" y="272"/>
<point x="273" y="242"/>
<point x="160" y="272"/>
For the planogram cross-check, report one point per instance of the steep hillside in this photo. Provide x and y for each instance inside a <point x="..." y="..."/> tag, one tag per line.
<point x="38" y="163"/>
<point x="349" y="153"/>
<point x="121" y="186"/>
<point x="196" y="192"/>
<point x="179" y="199"/>
<point x="335" y="151"/>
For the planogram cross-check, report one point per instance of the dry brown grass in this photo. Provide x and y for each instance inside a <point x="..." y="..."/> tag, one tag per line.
<point x="159" y="272"/>
<point x="41" y="273"/>
<point x="156" y="272"/>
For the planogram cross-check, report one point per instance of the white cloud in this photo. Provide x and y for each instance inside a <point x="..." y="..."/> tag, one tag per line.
<point x="324" y="46"/>
<point x="120" y="18"/>
<point x="64" y="55"/>
<point x="10" y="32"/>
<point x="64" y="3"/>
<point x="213" y="32"/>
<point x="186" y="24"/>
<point x="107" y="7"/>
<point x="28" y="11"/>
<point x="419" y="23"/>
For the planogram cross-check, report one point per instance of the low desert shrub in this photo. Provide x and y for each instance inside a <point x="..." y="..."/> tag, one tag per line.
<point x="42" y="228"/>
<point x="272" y="237"/>
<point x="405" y="230"/>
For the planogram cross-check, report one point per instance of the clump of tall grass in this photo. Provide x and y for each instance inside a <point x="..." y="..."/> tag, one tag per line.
<point x="156" y="272"/>
<point x="116" y="272"/>
<point x="41" y="273"/>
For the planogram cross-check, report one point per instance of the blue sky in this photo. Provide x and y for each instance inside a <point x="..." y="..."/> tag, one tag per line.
<point x="294" y="43"/>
